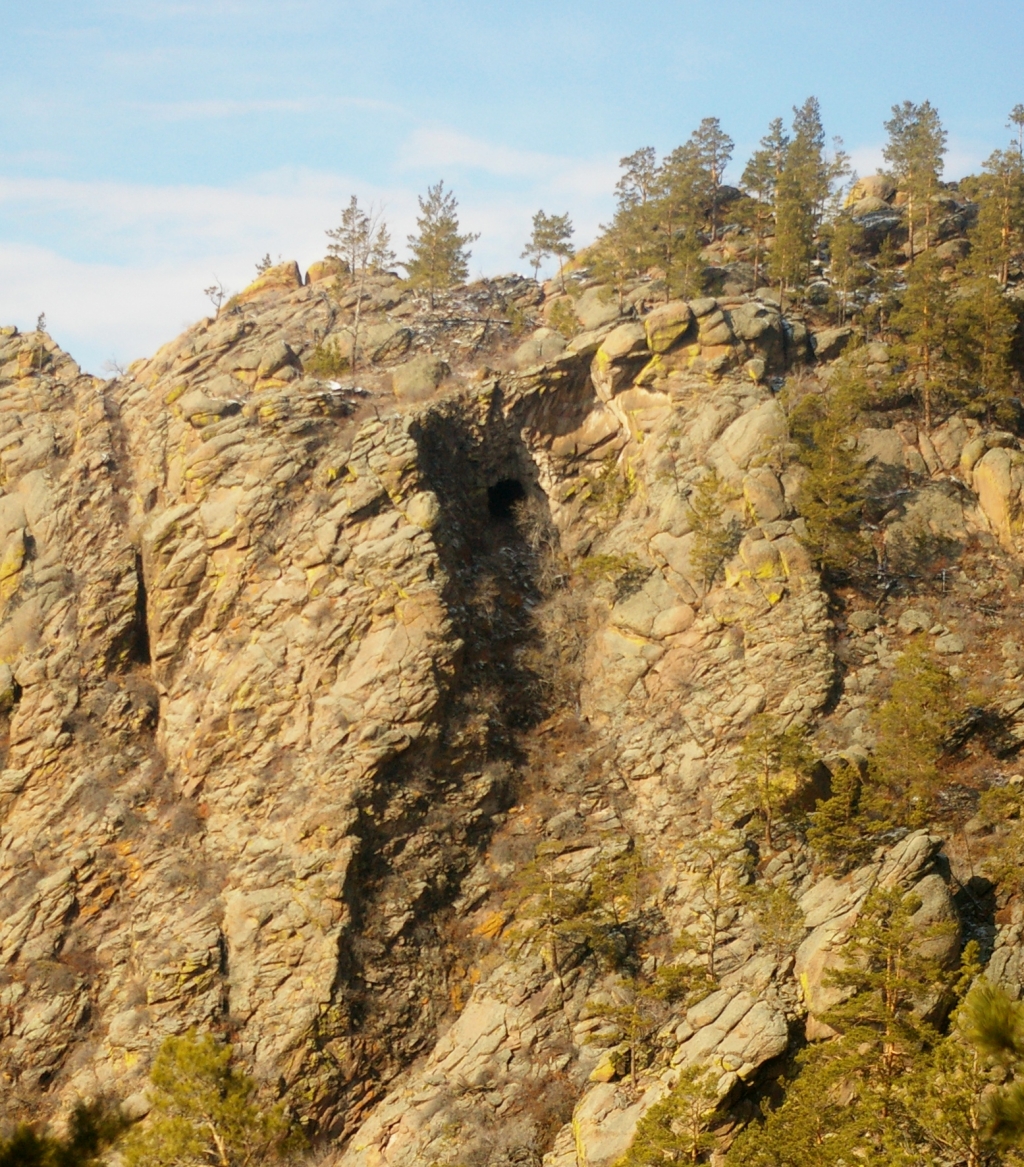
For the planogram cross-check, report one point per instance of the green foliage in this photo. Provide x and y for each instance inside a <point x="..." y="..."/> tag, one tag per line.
<point x="778" y="920"/>
<point x="833" y="491"/>
<point x="914" y="151"/>
<point x="204" y="1110"/>
<point x="721" y="865"/>
<point x="846" y="827"/>
<point x="91" y="1130"/>
<point x="802" y="194"/>
<point x="559" y="915"/>
<point x="440" y="258"/>
<point x="925" y="321"/>
<point x="912" y="726"/>
<point x="845" y="237"/>
<point x="675" y="1130"/>
<point x="847" y="1103"/>
<point x="773" y="764"/>
<point x="326" y="360"/>
<point x="713" y="540"/>
<point x="362" y="242"/>
<point x="552" y="235"/>
<point x="562" y="318"/>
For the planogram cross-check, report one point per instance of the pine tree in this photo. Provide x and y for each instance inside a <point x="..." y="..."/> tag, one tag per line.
<point x="802" y="195"/>
<point x="627" y="245"/>
<point x="846" y="827"/>
<point x="772" y="765"/>
<point x="551" y="235"/>
<point x="761" y="179"/>
<point x="91" y="1130"/>
<point x="205" y="1111"/>
<point x="1017" y="122"/>
<point x="712" y="149"/>
<point x="713" y="540"/>
<point x="845" y="239"/>
<point x="832" y="493"/>
<point x="675" y="1130"/>
<point x="684" y="194"/>
<point x="721" y="863"/>
<point x="779" y="924"/>
<point x="912" y="726"/>
<point x="914" y="151"/>
<point x="925" y="323"/>
<point x="997" y="235"/>
<point x="360" y="241"/>
<point x="983" y="328"/>
<point x="959" y="1113"/>
<point x="440" y="258"/>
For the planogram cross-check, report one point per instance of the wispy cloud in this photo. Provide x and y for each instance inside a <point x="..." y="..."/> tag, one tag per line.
<point x="219" y="108"/>
<point x="118" y="267"/>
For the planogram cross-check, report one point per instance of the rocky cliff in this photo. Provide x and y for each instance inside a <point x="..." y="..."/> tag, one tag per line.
<point x="296" y="678"/>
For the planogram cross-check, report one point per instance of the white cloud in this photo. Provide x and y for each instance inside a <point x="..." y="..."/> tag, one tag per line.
<point x="118" y="267"/>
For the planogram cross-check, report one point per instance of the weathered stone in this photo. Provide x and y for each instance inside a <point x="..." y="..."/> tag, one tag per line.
<point x="667" y="324"/>
<point x="418" y="379"/>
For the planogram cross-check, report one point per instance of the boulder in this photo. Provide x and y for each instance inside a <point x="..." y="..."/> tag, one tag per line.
<point x="276" y="357"/>
<point x="763" y="495"/>
<point x="667" y="324"/>
<point x="755" y="432"/>
<point x="543" y="346"/>
<point x="715" y="329"/>
<point x="284" y="277"/>
<point x="419" y="378"/>
<point x="386" y="341"/>
<point x="998" y="479"/>
<point x="914" y="620"/>
<point x="830" y="342"/>
<point x="617" y="358"/>
<point x="868" y="206"/>
<point x="880" y="446"/>
<point x="329" y="268"/>
<point x="596" y="307"/>
<point x="876" y="186"/>
<point x="703" y="306"/>
<point x="949" y="644"/>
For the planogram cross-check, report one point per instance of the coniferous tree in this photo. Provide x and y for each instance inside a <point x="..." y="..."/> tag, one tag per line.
<point x="91" y="1130"/>
<point x="845" y="238"/>
<point x="846" y="827"/>
<point x="761" y="179"/>
<point x="914" y="151"/>
<point x="204" y="1110"/>
<point x="802" y="196"/>
<point x="832" y="493"/>
<point x="772" y="765"/>
<point x="361" y="241"/>
<point x="675" y="1130"/>
<point x="712" y="149"/>
<point x="440" y="258"/>
<point x="1017" y="122"/>
<point x="912" y="726"/>
<point x="959" y="1112"/>
<point x="679" y="214"/>
<point x="721" y="864"/>
<point x="713" y="540"/>
<point x="925" y="322"/>
<point x="552" y="235"/>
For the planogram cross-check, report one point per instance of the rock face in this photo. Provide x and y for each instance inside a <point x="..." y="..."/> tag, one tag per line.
<point x="276" y="665"/>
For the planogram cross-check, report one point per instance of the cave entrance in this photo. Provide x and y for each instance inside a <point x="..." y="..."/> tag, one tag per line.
<point x="503" y="496"/>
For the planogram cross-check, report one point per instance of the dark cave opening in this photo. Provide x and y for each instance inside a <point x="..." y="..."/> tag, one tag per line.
<point x="503" y="496"/>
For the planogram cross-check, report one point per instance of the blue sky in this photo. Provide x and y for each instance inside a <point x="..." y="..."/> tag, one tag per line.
<point x="149" y="145"/>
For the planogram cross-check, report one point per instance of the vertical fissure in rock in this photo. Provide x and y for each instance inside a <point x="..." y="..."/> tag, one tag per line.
<point x="140" y="650"/>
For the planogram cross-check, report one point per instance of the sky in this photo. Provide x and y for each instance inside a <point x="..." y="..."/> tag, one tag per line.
<point x="151" y="147"/>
